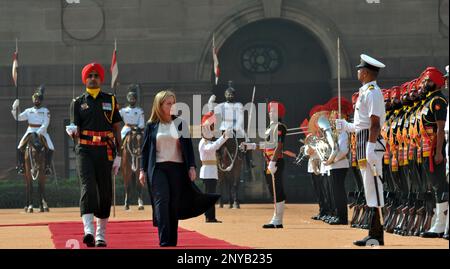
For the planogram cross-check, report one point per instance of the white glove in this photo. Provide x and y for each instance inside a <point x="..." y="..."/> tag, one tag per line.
<point x="247" y="146"/>
<point x="228" y="133"/>
<point x="272" y="167"/>
<point x="211" y="101"/>
<point x="15" y="104"/>
<point x="371" y="155"/>
<point x="116" y="165"/>
<point x="71" y="129"/>
<point x="344" y="126"/>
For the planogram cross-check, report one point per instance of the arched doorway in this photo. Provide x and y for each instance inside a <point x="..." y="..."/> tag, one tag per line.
<point x="286" y="63"/>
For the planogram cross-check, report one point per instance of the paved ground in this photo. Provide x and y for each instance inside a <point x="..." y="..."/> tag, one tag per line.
<point x="240" y="227"/>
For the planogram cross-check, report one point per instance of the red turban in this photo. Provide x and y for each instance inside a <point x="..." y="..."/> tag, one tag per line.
<point x="316" y="109"/>
<point x="346" y="106"/>
<point x="396" y="92"/>
<point x="208" y="119"/>
<point x="280" y="106"/>
<point x="413" y="86"/>
<point x="92" y="67"/>
<point x="405" y="88"/>
<point x="435" y="75"/>
<point x="386" y="94"/>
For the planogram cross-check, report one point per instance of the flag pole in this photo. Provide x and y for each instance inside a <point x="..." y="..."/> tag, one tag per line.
<point x="17" y="97"/>
<point x="114" y="176"/>
<point x="115" y="53"/>
<point x="250" y="114"/>
<point x="339" y="77"/>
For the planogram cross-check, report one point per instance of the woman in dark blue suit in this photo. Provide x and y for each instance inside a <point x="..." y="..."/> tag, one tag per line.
<point x="168" y="167"/>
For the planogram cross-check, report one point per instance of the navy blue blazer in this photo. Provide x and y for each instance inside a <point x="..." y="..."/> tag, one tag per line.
<point x="148" y="160"/>
<point x="193" y="201"/>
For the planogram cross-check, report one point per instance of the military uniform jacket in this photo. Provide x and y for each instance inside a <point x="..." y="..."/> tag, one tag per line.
<point x="207" y="150"/>
<point x="99" y="114"/>
<point x="435" y="109"/>
<point x="231" y="116"/>
<point x="132" y="116"/>
<point x="370" y="102"/>
<point x="35" y="117"/>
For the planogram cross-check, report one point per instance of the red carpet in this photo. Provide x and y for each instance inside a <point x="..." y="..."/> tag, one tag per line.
<point x="134" y="235"/>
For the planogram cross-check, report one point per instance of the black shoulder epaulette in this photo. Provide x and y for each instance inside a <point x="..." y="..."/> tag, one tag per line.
<point x="371" y="87"/>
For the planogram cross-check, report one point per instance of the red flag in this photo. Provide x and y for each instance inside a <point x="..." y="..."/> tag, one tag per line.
<point x="216" y="60"/>
<point x="15" y="65"/>
<point x="114" y="69"/>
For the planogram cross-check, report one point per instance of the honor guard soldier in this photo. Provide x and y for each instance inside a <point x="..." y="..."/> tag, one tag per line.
<point x="132" y="115"/>
<point x="207" y="148"/>
<point x="38" y="118"/>
<point x="434" y="114"/>
<point x="229" y="115"/>
<point x="273" y="152"/>
<point x="96" y="126"/>
<point x="368" y="118"/>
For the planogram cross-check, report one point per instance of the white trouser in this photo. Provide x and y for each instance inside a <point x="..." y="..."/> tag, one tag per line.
<point x="373" y="189"/>
<point x="101" y="229"/>
<point x="88" y="223"/>
<point x="34" y="130"/>
<point x="277" y="218"/>
<point x="125" y="130"/>
<point x="440" y="221"/>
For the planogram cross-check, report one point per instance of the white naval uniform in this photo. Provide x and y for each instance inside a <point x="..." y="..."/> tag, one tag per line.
<point x="370" y="102"/>
<point x="207" y="150"/>
<point x="35" y="116"/>
<point x="231" y="116"/>
<point x="131" y="116"/>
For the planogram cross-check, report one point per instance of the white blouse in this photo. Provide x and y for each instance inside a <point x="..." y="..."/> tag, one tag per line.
<point x="168" y="148"/>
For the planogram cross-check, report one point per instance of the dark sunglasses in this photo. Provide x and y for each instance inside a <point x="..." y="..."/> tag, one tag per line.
<point x="93" y="76"/>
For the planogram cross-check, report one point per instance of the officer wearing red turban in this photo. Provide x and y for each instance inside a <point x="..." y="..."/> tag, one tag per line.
<point x="434" y="114"/>
<point x="95" y="125"/>
<point x="273" y="152"/>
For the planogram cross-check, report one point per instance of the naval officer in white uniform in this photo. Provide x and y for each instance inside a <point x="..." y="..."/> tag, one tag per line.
<point x="368" y="118"/>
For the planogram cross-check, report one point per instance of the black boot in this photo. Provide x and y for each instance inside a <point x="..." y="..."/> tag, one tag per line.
<point x="376" y="236"/>
<point x="48" y="162"/>
<point x="21" y="162"/>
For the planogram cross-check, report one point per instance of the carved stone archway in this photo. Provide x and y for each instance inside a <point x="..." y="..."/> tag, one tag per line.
<point x="319" y="25"/>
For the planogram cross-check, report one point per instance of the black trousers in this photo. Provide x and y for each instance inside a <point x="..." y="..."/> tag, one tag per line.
<point x="166" y="192"/>
<point x="210" y="187"/>
<point x="328" y="180"/>
<point x="279" y="185"/>
<point x="339" y="193"/>
<point x="94" y="170"/>
<point x="318" y="189"/>
<point x="327" y="196"/>
<point x="437" y="179"/>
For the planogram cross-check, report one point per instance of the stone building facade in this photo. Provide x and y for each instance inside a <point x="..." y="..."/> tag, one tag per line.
<point x="286" y="48"/>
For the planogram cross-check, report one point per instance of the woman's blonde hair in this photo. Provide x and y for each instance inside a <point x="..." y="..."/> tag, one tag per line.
<point x="156" y="114"/>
